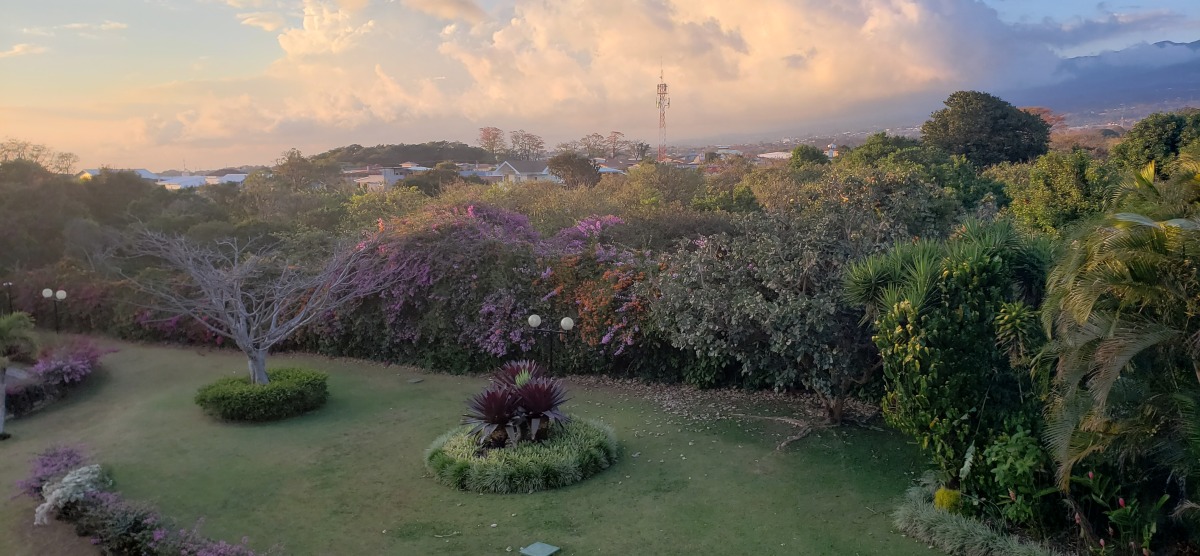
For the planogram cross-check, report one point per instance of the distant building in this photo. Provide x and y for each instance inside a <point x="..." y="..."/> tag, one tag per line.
<point x="374" y="181"/>
<point x="525" y="170"/>
<point x="227" y="178"/>
<point x="183" y="182"/>
<point x="93" y="172"/>
<point x="832" y="151"/>
<point x="777" y="155"/>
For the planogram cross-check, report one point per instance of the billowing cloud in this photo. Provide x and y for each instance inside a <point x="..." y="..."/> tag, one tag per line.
<point x="325" y="30"/>
<point x="1082" y="31"/>
<point x="22" y="49"/>
<point x="466" y="10"/>
<point x="267" y="21"/>
<point x="364" y="72"/>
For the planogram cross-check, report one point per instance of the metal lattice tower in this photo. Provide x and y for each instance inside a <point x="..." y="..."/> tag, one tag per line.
<point x="664" y="102"/>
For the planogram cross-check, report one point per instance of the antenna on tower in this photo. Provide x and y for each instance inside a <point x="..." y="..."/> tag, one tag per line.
<point x="664" y="102"/>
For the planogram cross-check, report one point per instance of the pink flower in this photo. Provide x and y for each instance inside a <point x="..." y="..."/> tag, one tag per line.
<point x="1121" y="501"/>
<point x="1101" y="543"/>
<point x="1091" y="475"/>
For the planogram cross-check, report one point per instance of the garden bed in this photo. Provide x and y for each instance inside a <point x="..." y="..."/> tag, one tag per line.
<point x="577" y="450"/>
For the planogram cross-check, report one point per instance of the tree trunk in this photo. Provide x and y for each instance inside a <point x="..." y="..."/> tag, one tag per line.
<point x="833" y="410"/>
<point x="257" y="360"/>
<point x="3" y="399"/>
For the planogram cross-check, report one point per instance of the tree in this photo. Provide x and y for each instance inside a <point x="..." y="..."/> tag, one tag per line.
<point x="986" y="129"/>
<point x="525" y="145"/>
<point x="297" y="173"/>
<point x="616" y="143"/>
<point x="254" y="294"/>
<point x="641" y="149"/>
<point x="16" y="340"/>
<point x="1055" y="121"/>
<point x="575" y="170"/>
<point x="491" y="139"/>
<point x="804" y="155"/>
<point x="1157" y="139"/>
<point x="594" y="145"/>
<point x="1121" y="307"/>
<point x="57" y="162"/>
<point x="1059" y="189"/>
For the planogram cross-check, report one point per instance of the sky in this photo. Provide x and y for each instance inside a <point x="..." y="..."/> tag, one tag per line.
<point x="204" y="84"/>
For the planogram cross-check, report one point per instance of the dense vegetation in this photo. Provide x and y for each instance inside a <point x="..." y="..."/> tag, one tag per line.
<point x="1024" y="314"/>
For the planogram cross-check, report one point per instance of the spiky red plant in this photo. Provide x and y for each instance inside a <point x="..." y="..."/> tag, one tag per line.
<point x="542" y="398"/>
<point x="515" y="373"/>
<point x="489" y="411"/>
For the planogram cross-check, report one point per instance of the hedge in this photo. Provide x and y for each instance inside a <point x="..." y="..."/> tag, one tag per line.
<point x="290" y="392"/>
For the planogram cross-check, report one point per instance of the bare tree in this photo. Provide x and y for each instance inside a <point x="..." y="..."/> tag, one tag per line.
<point x="616" y="143"/>
<point x="249" y="293"/>
<point x="594" y="145"/>
<point x="491" y="139"/>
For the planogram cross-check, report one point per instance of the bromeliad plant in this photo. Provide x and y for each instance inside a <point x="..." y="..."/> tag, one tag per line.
<point x="522" y="404"/>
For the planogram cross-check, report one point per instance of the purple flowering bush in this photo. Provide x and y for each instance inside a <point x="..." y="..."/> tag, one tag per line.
<point x="49" y="465"/>
<point x="70" y="362"/>
<point x="117" y="525"/>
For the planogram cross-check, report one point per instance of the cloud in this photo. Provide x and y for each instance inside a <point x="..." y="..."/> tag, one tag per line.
<point x="1083" y="31"/>
<point x="22" y="49"/>
<point x="466" y="10"/>
<point x="81" y="29"/>
<point x="325" y="30"/>
<point x="267" y="21"/>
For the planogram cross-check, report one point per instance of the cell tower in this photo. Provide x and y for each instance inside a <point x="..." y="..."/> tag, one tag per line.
<point x="664" y="102"/>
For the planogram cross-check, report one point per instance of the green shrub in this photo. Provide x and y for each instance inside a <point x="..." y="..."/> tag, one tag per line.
<point x="575" y="451"/>
<point x="291" y="391"/>
<point x="957" y="534"/>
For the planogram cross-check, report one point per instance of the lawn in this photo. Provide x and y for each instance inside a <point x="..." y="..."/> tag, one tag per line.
<point x="349" y="478"/>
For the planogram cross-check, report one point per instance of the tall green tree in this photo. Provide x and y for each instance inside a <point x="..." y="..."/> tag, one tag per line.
<point x="805" y="155"/>
<point x="1058" y="189"/>
<point x="986" y="129"/>
<point x="575" y="170"/>
<point x="1157" y="139"/>
<point x="16" y="339"/>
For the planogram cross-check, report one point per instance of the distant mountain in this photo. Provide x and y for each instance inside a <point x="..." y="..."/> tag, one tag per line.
<point x="1142" y="78"/>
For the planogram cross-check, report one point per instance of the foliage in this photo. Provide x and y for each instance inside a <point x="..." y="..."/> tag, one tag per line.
<point x="580" y="449"/>
<point x="937" y="306"/>
<point x="947" y="499"/>
<point x="986" y="130"/>
<point x="16" y="341"/>
<point x="1156" y="139"/>
<point x="726" y="298"/>
<point x="422" y="153"/>
<point x="48" y="466"/>
<point x="1060" y="189"/>
<point x="955" y="533"/>
<point x="804" y="155"/>
<point x="69" y="362"/>
<point x="575" y="170"/>
<point x="291" y="391"/>
<point x="520" y="405"/>
<point x="71" y="489"/>
<point x="1022" y="472"/>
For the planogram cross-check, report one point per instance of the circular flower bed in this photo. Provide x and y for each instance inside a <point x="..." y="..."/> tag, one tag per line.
<point x="290" y="392"/>
<point x="575" y="451"/>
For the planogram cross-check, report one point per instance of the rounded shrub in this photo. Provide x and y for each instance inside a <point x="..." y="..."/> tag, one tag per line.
<point x="575" y="451"/>
<point x="290" y="392"/>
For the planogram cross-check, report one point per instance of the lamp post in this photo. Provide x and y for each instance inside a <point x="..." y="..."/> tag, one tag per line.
<point x="8" y="292"/>
<point x="566" y="324"/>
<point x="58" y="296"/>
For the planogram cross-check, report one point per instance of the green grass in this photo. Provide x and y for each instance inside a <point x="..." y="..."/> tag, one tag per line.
<point x="349" y="478"/>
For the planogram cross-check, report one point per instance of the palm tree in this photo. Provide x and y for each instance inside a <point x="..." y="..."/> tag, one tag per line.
<point x="1122" y="310"/>
<point x="16" y="339"/>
